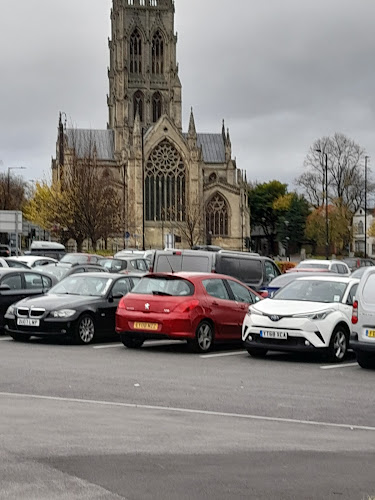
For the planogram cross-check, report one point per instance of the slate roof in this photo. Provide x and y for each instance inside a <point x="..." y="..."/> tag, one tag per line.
<point x="212" y="145"/>
<point x="83" y="139"/>
<point x="213" y="148"/>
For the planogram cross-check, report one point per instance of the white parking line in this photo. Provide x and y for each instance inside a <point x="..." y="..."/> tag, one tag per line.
<point x="332" y="367"/>
<point x="222" y="354"/>
<point x="107" y="346"/>
<point x="190" y="411"/>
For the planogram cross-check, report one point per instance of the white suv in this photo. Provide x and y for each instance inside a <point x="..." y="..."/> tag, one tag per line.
<point x="308" y="314"/>
<point x="333" y="266"/>
<point x="362" y="339"/>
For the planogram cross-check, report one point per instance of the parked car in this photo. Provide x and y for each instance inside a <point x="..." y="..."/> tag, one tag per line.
<point x="281" y="281"/>
<point x="252" y="269"/>
<point x="61" y="270"/>
<point x="334" y="266"/>
<point x="15" y="284"/>
<point x="11" y="262"/>
<point x="125" y="265"/>
<point x="35" y="260"/>
<point x="309" y="314"/>
<point x="80" y="258"/>
<point x="356" y="263"/>
<point x="362" y="339"/>
<point x="358" y="273"/>
<point x="47" y="249"/>
<point x="129" y="252"/>
<point x="5" y="251"/>
<point x="82" y="307"/>
<point x="201" y="308"/>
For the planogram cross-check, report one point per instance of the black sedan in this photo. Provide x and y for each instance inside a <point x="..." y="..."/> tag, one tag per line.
<point x="60" y="271"/>
<point x="16" y="283"/>
<point x="81" y="306"/>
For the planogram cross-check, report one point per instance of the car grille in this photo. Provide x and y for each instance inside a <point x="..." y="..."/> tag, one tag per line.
<point x="292" y="341"/>
<point x="25" y="312"/>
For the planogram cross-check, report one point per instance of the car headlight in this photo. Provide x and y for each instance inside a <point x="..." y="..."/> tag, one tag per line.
<point x="63" y="313"/>
<point x="11" y="310"/>
<point x="253" y="310"/>
<point x="315" y="315"/>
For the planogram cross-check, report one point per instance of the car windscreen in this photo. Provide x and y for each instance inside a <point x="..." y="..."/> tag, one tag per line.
<point x="57" y="271"/>
<point x="83" y="285"/>
<point x="313" y="265"/>
<point x="282" y="280"/>
<point x="358" y="273"/>
<point x="312" y="291"/>
<point x="164" y="286"/>
<point x="74" y="259"/>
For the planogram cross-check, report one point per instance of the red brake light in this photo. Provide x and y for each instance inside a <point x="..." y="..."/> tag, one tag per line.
<point x="355" y="312"/>
<point x="121" y="304"/>
<point x="185" y="307"/>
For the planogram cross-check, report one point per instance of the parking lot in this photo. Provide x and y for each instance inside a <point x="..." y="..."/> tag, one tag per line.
<point x="104" y="422"/>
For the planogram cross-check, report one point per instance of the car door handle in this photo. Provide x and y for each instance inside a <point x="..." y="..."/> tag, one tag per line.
<point x="215" y="303"/>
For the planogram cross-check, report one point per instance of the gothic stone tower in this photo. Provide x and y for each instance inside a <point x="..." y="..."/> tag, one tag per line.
<point x="143" y="73"/>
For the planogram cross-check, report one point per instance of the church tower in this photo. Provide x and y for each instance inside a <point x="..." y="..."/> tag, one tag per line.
<point x="143" y="72"/>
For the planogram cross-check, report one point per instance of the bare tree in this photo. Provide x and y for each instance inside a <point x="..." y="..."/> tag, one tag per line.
<point x="345" y="162"/>
<point x="188" y="222"/>
<point x="12" y="192"/>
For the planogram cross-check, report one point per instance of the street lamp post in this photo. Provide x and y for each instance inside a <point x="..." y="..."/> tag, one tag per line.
<point x="8" y="187"/>
<point x="326" y="197"/>
<point x="366" y="158"/>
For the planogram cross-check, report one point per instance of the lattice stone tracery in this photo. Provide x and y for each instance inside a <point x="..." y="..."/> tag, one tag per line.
<point x="165" y="184"/>
<point x="217" y="217"/>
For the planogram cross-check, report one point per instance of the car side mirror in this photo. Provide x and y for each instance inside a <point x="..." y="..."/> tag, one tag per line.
<point x="4" y="288"/>
<point x="115" y="296"/>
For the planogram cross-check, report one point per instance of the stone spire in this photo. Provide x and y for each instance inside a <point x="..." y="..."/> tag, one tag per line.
<point x="228" y="147"/>
<point x="137" y="133"/>
<point x="192" y="129"/>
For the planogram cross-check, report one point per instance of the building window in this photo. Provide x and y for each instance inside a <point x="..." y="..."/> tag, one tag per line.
<point x="165" y="184"/>
<point x="156" y="107"/>
<point x="213" y="177"/>
<point x="135" y="53"/>
<point x="217" y="218"/>
<point x="157" y="54"/>
<point x="360" y="227"/>
<point x="138" y="104"/>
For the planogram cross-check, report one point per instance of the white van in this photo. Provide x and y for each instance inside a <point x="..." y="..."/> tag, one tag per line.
<point x="47" y="249"/>
<point x="362" y="339"/>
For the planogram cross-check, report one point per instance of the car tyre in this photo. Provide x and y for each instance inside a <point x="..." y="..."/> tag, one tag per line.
<point x="338" y="345"/>
<point x="257" y="352"/>
<point x="132" y="342"/>
<point x="204" y="338"/>
<point x="20" y="337"/>
<point x="365" y="360"/>
<point x="85" y="329"/>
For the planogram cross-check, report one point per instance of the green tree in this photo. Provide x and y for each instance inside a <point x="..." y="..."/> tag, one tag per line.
<point x="262" y="213"/>
<point x="292" y="210"/>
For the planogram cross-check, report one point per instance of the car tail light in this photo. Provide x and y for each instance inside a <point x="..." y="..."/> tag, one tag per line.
<point x="264" y="294"/>
<point x="355" y="312"/>
<point x="187" y="306"/>
<point x="121" y="304"/>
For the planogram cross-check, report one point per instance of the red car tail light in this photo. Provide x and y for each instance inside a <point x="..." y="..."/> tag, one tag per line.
<point x="187" y="306"/>
<point x="355" y="312"/>
<point x="121" y="304"/>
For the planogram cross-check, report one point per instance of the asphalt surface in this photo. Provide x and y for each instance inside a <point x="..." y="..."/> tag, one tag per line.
<point x="104" y="422"/>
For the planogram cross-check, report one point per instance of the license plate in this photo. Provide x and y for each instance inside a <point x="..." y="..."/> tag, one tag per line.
<point x="28" y="322"/>
<point x="267" y="334"/>
<point x="370" y="333"/>
<point x="146" y="326"/>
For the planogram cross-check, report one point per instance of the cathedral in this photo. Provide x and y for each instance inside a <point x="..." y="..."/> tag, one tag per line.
<point x="170" y="181"/>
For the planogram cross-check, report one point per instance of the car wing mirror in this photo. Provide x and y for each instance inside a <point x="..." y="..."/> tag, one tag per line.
<point x="4" y="288"/>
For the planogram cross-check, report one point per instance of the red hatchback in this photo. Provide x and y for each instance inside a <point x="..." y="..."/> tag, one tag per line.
<point x="200" y="308"/>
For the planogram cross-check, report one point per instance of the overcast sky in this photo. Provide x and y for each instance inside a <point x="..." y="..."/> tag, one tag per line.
<point x="281" y="72"/>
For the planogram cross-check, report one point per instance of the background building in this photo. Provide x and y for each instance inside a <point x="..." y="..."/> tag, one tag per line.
<point x="184" y="183"/>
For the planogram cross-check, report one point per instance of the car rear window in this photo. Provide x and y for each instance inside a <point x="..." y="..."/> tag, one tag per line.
<point x="164" y="286"/>
<point x="176" y="263"/>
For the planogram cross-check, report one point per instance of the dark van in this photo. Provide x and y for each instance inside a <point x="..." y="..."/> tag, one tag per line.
<point x="252" y="269"/>
<point x="47" y="249"/>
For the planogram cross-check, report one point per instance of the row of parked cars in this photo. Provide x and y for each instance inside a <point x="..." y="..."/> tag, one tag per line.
<point x="317" y="310"/>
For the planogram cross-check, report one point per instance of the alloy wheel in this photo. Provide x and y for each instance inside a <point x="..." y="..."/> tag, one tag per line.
<point x="204" y="337"/>
<point x="340" y="345"/>
<point x="86" y="330"/>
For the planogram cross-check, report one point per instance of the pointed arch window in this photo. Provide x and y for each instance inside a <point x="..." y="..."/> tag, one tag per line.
<point x="135" y="52"/>
<point x="361" y="229"/>
<point x="165" y="184"/>
<point x="156" y="106"/>
<point x="138" y="104"/>
<point x="157" y="54"/>
<point x="217" y="216"/>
